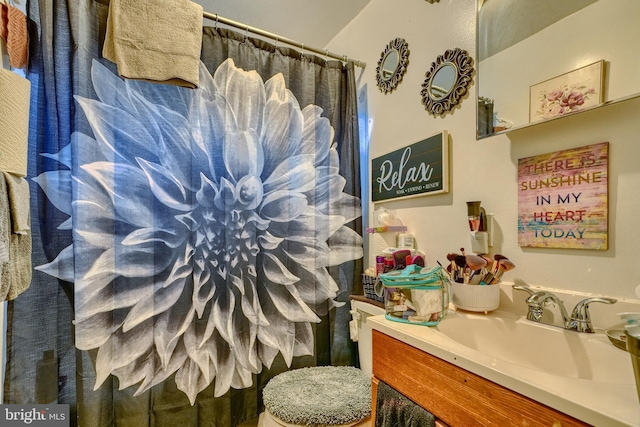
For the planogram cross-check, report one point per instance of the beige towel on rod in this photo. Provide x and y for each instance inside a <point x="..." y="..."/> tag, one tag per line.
<point x="19" y="203"/>
<point x="155" y="40"/>
<point x="14" y="122"/>
<point x="15" y="273"/>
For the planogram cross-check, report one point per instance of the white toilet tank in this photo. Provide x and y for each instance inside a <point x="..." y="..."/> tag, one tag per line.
<point x="361" y="331"/>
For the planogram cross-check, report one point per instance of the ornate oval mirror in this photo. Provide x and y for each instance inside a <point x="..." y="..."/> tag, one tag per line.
<point x="392" y="65"/>
<point x="447" y="81"/>
<point x="442" y="82"/>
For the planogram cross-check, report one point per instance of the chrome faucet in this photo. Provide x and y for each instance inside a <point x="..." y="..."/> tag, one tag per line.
<point x="580" y="319"/>
<point x="537" y="301"/>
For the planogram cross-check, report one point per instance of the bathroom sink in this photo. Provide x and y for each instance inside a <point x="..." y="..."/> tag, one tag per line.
<point x="547" y="349"/>
<point x="579" y="374"/>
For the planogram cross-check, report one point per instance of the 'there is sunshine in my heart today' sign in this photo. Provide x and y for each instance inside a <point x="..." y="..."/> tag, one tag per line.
<point x="416" y="170"/>
<point x="563" y="199"/>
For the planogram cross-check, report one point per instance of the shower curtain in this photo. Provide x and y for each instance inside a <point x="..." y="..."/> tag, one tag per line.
<point x="189" y="244"/>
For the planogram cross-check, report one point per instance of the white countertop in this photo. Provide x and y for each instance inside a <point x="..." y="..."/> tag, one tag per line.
<point x="597" y="403"/>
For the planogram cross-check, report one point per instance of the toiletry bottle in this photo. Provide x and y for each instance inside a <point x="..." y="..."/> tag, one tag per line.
<point x="379" y="264"/>
<point x="388" y="264"/>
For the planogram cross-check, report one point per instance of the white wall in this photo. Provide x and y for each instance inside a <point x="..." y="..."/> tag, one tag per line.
<point x="487" y="170"/>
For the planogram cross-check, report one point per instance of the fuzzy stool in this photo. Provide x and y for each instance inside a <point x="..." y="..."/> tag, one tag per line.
<point x="318" y="396"/>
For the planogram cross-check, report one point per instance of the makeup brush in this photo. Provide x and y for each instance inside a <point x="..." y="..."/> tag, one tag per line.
<point x="452" y="261"/>
<point x="487" y="258"/>
<point x="475" y="262"/>
<point x="503" y="265"/>
<point x="463" y="253"/>
<point x="489" y="261"/>
<point x="496" y="258"/>
<point x="452" y="267"/>
<point x="461" y="263"/>
<point x="486" y="279"/>
<point x="489" y="275"/>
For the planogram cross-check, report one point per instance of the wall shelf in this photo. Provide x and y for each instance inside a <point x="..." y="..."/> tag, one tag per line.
<point x="387" y="228"/>
<point x="528" y="125"/>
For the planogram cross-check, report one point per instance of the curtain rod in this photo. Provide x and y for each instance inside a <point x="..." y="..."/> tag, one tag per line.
<point x="277" y="38"/>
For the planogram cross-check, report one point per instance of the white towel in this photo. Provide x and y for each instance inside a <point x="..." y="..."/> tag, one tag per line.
<point x="14" y="122"/>
<point x="155" y="40"/>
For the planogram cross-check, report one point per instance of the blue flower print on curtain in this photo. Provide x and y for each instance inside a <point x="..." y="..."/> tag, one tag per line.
<point x="204" y="222"/>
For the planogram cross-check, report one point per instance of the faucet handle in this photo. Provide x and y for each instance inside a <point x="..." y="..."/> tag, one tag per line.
<point x="582" y="307"/>
<point x="524" y="288"/>
<point x="580" y="317"/>
<point x="535" y="300"/>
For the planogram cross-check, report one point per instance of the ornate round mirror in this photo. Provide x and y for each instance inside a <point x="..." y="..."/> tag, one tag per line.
<point x="442" y="82"/>
<point x="447" y="81"/>
<point x="392" y="65"/>
<point x="389" y="65"/>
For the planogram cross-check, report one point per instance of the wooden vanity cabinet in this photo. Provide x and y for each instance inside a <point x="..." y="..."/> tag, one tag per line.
<point x="457" y="397"/>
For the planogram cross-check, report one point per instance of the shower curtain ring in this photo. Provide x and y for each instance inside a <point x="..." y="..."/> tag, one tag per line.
<point x="216" y="24"/>
<point x="246" y="32"/>
<point x="302" y="47"/>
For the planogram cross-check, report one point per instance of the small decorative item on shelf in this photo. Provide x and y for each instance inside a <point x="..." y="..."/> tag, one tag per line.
<point x="485" y="116"/>
<point x="571" y="92"/>
<point x="500" y="124"/>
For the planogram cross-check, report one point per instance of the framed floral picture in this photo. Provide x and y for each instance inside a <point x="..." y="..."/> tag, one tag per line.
<point x="568" y="93"/>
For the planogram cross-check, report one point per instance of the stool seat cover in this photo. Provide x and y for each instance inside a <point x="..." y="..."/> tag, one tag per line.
<point x="319" y="396"/>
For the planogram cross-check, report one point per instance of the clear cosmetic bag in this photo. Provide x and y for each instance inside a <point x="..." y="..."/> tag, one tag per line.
<point x="416" y="295"/>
